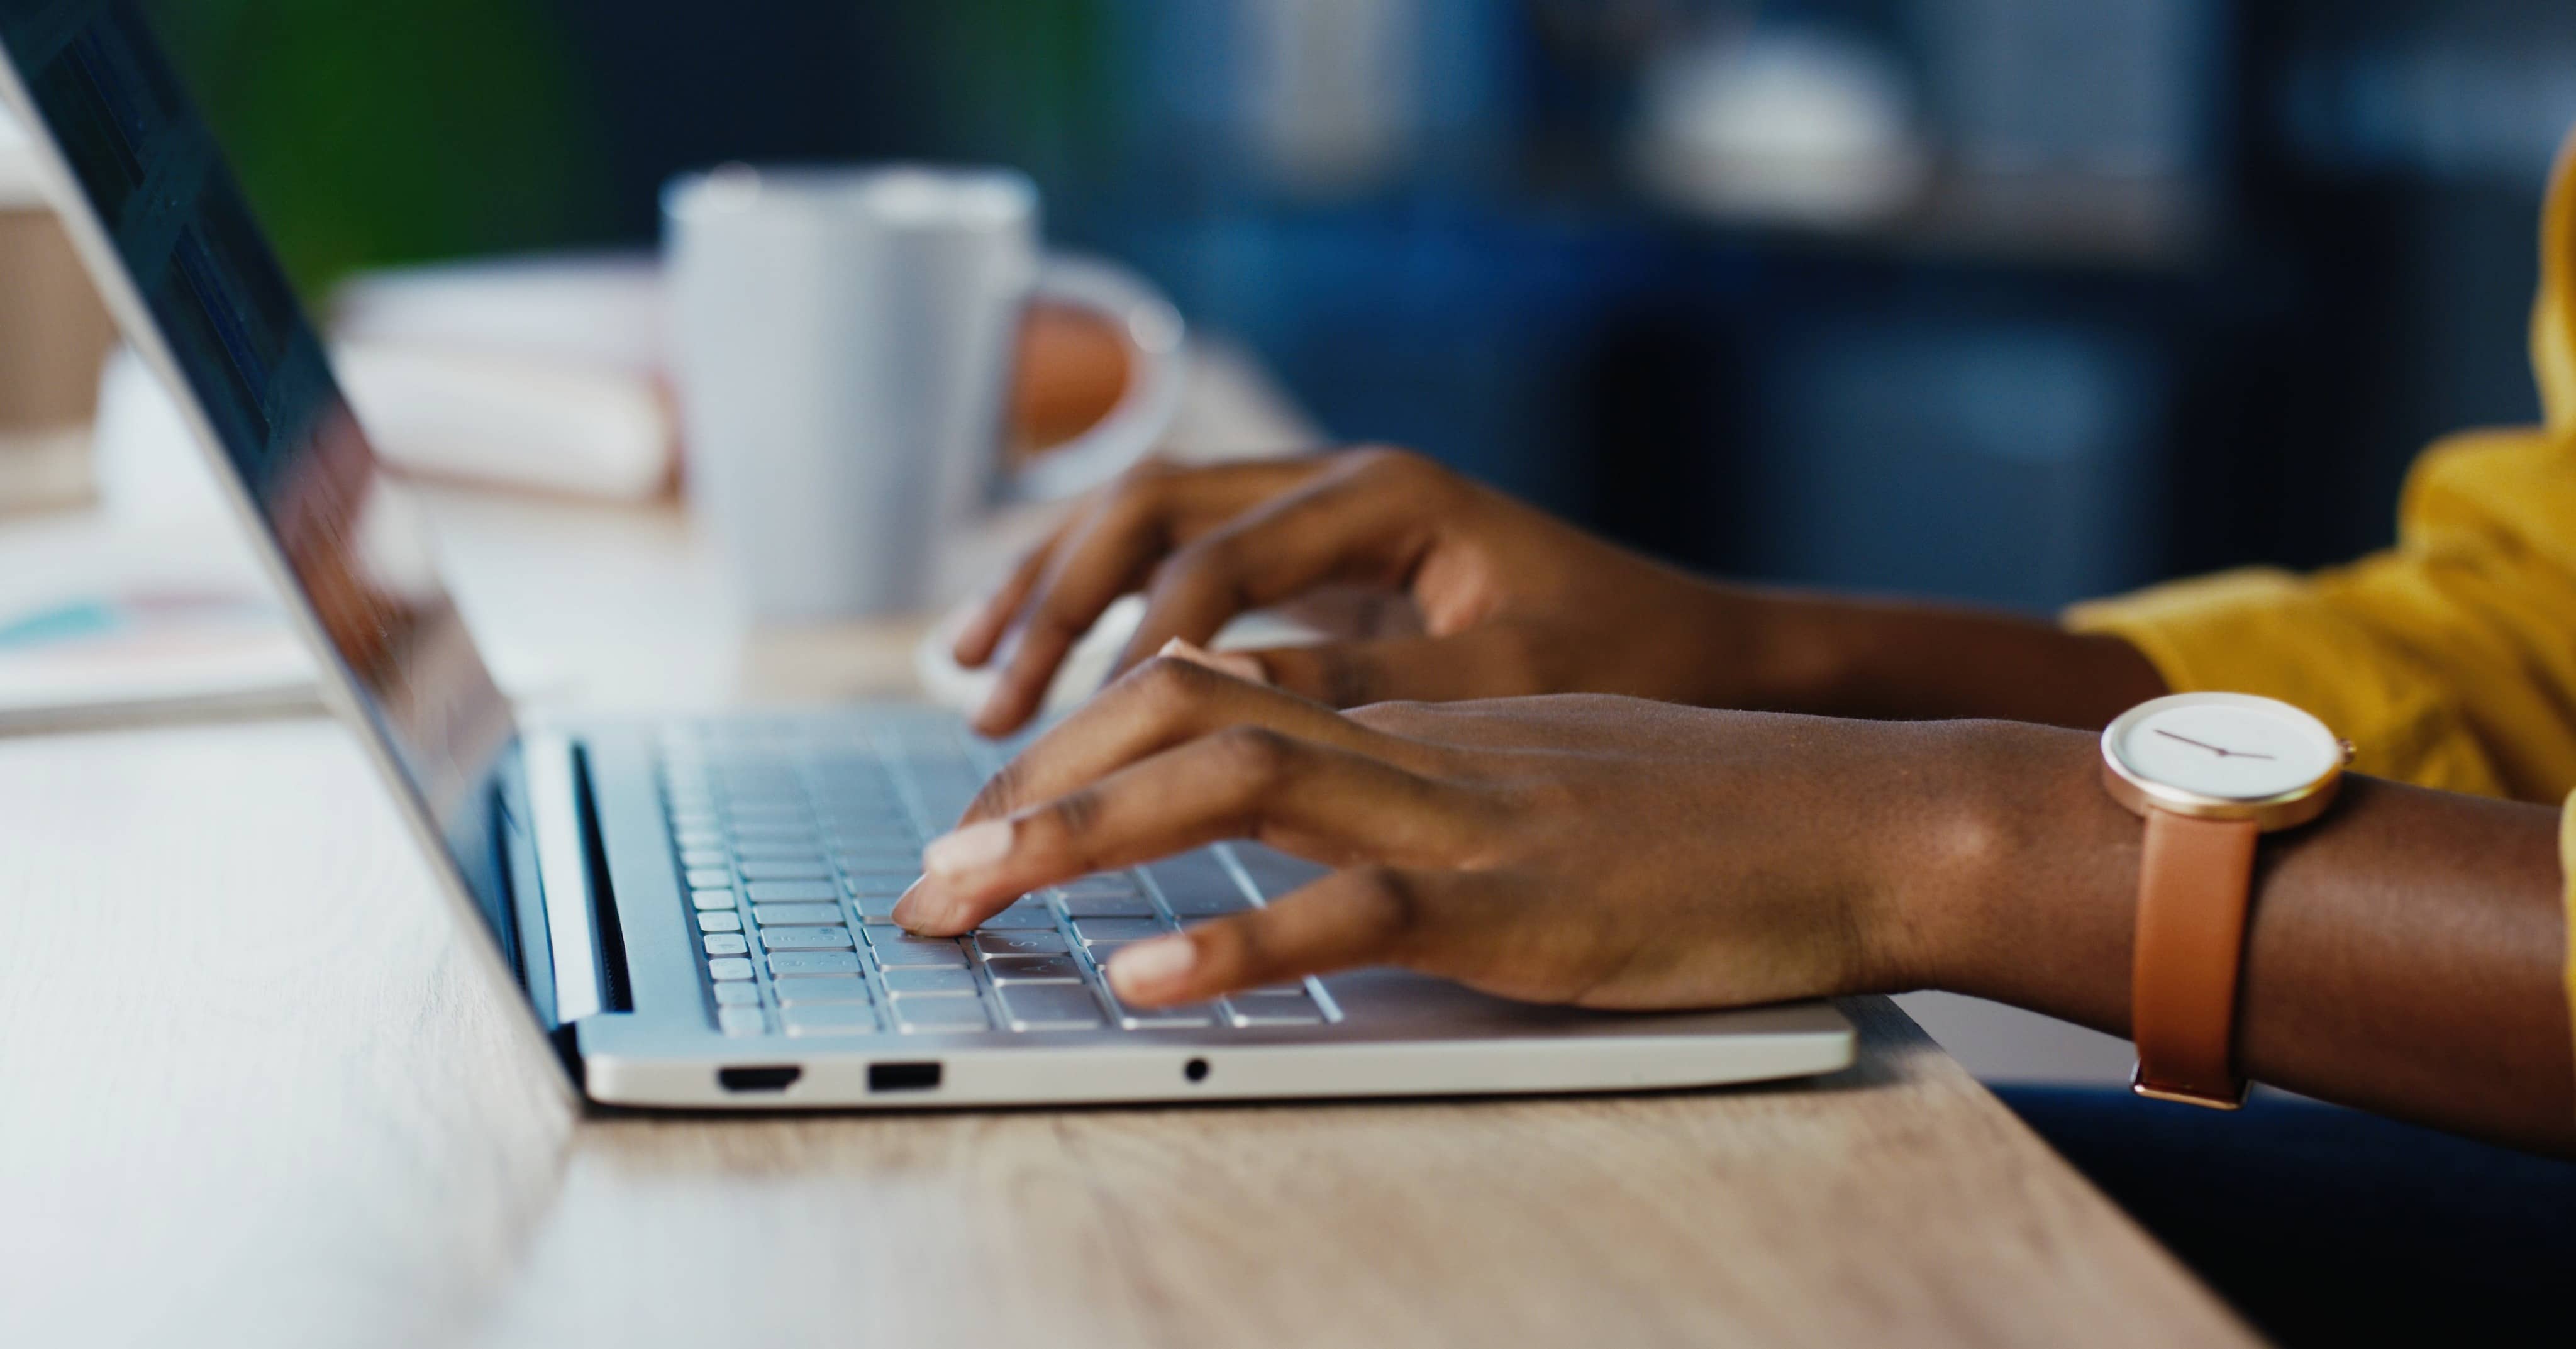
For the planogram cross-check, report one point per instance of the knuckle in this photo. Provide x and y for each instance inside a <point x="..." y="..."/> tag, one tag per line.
<point x="1236" y="949"/>
<point x="1388" y="904"/>
<point x="1403" y="468"/>
<point x="1172" y="681"/>
<point x="1349" y="680"/>
<point x="1255" y="754"/>
<point x="1074" y="816"/>
<point x="999" y="792"/>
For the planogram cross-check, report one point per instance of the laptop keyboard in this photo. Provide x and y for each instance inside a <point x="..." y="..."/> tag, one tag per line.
<point x="794" y="840"/>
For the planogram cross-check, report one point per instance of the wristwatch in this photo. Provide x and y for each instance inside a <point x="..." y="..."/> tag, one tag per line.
<point x="2210" y="773"/>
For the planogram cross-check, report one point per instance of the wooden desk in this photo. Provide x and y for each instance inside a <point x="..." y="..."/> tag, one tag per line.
<point x="248" y="1094"/>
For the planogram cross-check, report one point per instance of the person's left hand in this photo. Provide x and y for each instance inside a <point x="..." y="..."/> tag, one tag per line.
<point x="1601" y="851"/>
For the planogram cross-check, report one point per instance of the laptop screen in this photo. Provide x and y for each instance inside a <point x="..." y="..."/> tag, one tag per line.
<point x="220" y="305"/>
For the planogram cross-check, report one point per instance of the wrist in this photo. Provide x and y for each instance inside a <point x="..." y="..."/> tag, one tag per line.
<point x="2005" y="862"/>
<point x="1777" y="651"/>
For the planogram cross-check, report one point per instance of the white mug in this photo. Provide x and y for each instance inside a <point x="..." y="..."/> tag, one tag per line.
<point x="842" y="344"/>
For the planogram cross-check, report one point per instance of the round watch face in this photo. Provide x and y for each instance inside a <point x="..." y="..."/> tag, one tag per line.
<point x="2232" y="747"/>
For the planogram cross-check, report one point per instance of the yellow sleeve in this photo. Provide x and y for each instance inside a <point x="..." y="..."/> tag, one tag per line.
<point x="2450" y="659"/>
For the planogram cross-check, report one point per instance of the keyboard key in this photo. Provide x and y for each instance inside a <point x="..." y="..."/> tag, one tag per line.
<point x="864" y="822"/>
<point x="770" y="915"/>
<point x="725" y="943"/>
<point x="1205" y="903"/>
<point x="1295" y="990"/>
<point x="822" y="988"/>
<point x="741" y="1020"/>
<point x="1100" y="883"/>
<point x="1198" y="885"/>
<point x="745" y="832"/>
<point x="1274" y="1011"/>
<point x="1049" y="1006"/>
<point x="712" y="899"/>
<point x="719" y="922"/>
<point x="1165" y="1018"/>
<point x="917" y="1015"/>
<point x="1130" y="903"/>
<point x="789" y="964"/>
<point x="806" y="869"/>
<point x="1045" y="943"/>
<point x="729" y="967"/>
<point x="865" y="884"/>
<point x="704" y="857"/>
<point x="903" y="983"/>
<point x="764" y="892"/>
<point x="877" y="907"/>
<point x="708" y="878"/>
<point x="803" y="938"/>
<point x="1032" y="969"/>
<point x="1024" y="914"/>
<point x="738" y="995"/>
<point x="830" y="1019"/>
<point x="896" y="952"/>
<point x="877" y="860"/>
<point x="1096" y="930"/>
<point x="774" y="849"/>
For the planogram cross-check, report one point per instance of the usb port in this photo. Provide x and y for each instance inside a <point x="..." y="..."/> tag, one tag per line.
<point x="902" y="1076"/>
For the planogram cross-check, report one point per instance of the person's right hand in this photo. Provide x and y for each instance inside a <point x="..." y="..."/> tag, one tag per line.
<point x="1509" y="600"/>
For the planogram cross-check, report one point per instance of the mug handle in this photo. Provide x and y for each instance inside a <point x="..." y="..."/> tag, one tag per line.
<point x="1154" y="331"/>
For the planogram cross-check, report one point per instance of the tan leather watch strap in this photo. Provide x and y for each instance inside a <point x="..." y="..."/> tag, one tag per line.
<point x="2195" y="886"/>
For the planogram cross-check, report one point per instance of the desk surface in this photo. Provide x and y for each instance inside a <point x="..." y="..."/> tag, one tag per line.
<point x="251" y="1094"/>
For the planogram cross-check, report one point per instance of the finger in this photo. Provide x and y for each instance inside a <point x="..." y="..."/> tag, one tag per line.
<point x="1161" y="704"/>
<point x="1108" y="553"/>
<point x="1236" y="663"/>
<point x="983" y="632"/>
<point x="1494" y="661"/>
<point x="1368" y="916"/>
<point x="1312" y="800"/>
<point x="1358" y="524"/>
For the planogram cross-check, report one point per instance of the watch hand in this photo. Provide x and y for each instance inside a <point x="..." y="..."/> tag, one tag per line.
<point x="2220" y="751"/>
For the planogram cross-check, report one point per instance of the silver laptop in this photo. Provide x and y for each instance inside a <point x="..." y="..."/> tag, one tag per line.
<point x="694" y="911"/>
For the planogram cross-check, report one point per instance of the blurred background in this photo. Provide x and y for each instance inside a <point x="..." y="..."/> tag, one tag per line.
<point x="2007" y="300"/>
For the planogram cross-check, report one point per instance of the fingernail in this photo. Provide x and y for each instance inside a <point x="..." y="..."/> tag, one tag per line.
<point x="969" y="849"/>
<point x="1149" y="965"/>
<point x="1234" y="663"/>
<point x="907" y="910"/>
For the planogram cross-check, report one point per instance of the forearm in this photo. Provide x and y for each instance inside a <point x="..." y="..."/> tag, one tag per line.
<point x="1905" y="661"/>
<point x="2404" y="953"/>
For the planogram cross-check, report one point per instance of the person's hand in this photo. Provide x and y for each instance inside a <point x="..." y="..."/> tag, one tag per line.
<point x="1602" y="851"/>
<point x="1505" y="599"/>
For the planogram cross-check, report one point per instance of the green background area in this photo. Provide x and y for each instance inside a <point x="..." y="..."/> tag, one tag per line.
<point x="368" y="132"/>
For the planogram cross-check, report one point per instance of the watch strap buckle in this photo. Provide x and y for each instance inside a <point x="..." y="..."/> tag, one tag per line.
<point x="2185" y="1096"/>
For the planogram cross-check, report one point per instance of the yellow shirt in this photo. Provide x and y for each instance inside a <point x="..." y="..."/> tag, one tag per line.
<point x="2450" y="659"/>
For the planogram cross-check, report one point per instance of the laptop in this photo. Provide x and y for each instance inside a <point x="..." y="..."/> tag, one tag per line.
<point x="694" y="910"/>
